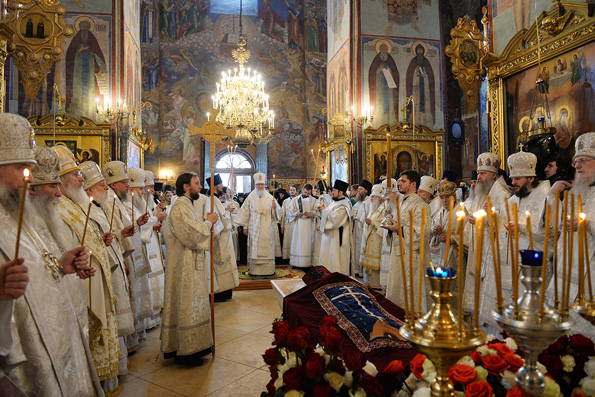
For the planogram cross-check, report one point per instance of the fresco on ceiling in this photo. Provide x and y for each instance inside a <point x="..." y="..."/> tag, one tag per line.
<point x="401" y="18"/>
<point x="184" y="49"/>
<point x="394" y="69"/>
<point x="88" y="6"/>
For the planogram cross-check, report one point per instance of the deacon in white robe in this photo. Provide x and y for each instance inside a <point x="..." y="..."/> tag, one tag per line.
<point x="259" y="215"/>
<point x="302" y="214"/>
<point x="488" y="184"/>
<point x="335" y="224"/>
<point x="387" y="237"/>
<point x="287" y="226"/>
<point x="358" y="217"/>
<point x="373" y="237"/>
<point x="186" y="322"/>
<point x="439" y="229"/>
<point x="407" y="185"/>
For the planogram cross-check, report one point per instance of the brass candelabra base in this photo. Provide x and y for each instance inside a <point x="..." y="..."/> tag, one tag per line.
<point x="587" y="311"/>
<point x="440" y="337"/>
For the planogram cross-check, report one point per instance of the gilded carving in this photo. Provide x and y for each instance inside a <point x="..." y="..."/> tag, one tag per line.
<point x="39" y="30"/>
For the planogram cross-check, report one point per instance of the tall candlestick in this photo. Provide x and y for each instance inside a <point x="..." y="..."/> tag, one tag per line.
<point x="421" y="259"/>
<point x="389" y="162"/>
<point x="411" y="251"/>
<point x="571" y="250"/>
<point x="403" y="271"/>
<point x="111" y="221"/>
<point x="529" y="229"/>
<point x="548" y="214"/>
<point x="87" y="221"/>
<point x="491" y="220"/>
<point x="581" y="256"/>
<point x="21" y="209"/>
<point x="479" y="229"/>
<point x="563" y="305"/>
<point x="588" y="260"/>
<point x="460" y="230"/>
<point x="511" y="246"/>
<point x="132" y="206"/>
<point x="147" y="202"/>
<point x="556" y="219"/>
<point x="448" y="232"/>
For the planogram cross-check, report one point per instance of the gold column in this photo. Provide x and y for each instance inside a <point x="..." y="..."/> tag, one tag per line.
<point x="5" y="35"/>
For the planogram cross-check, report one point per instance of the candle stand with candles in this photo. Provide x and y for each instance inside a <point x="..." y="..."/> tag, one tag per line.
<point x="531" y="330"/>
<point x="439" y="335"/>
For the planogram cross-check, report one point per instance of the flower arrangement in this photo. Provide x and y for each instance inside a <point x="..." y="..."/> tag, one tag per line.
<point x="491" y="370"/>
<point x="299" y="366"/>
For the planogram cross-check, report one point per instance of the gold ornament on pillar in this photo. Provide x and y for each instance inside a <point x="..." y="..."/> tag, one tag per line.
<point x="36" y="43"/>
<point x="467" y="51"/>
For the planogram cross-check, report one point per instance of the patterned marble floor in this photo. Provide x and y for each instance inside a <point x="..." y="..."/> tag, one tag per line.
<point x="242" y="328"/>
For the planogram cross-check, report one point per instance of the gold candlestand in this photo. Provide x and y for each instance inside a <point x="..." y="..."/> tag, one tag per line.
<point x="439" y="336"/>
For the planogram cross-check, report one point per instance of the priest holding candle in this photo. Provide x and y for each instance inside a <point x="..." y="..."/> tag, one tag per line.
<point x="74" y="211"/>
<point x="439" y="230"/>
<point x="407" y="184"/>
<point x="489" y="183"/>
<point x="373" y="237"/>
<point x="44" y="336"/>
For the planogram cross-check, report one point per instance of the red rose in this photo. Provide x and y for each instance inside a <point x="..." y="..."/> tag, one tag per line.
<point x="581" y="344"/>
<point x="315" y="366"/>
<point x="476" y="357"/>
<point x="292" y="378"/>
<point x="280" y="330"/>
<point x="354" y="360"/>
<point x="332" y="340"/>
<point x="559" y="346"/>
<point x="516" y="392"/>
<point x="501" y="348"/>
<point x="495" y="364"/>
<point x="417" y="365"/>
<point x="479" y="389"/>
<point x="296" y="342"/>
<point x="370" y="384"/>
<point x="271" y="356"/>
<point x="322" y="389"/>
<point x="553" y="364"/>
<point x="395" y="367"/>
<point x="303" y="332"/>
<point x="515" y="362"/>
<point x="462" y="374"/>
<point x="271" y="387"/>
<point x="578" y="394"/>
<point x="329" y="321"/>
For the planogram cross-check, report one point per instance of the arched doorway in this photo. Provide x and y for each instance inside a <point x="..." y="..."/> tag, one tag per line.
<point x="243" y="169"/>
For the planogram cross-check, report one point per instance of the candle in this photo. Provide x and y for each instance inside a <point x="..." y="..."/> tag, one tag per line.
<point x="588" y="264"/>
<point x="411" y="231"/>
<point x="111" y="221"/>
<point x="515" y="275"/>
<point x="450" y="211"/>
<point x="479" y="228"/>
<point x="497" y="276"/>
<point x="548" y="214"/>
<point x="389" y="161"/>
<point x="402" y="249"/>
<point x="421" y="258"/>
<point x="581" y="258"/>
<point x="571" y="250"/>
<point x="21" y="209"/>
<point x="460" y="230"/>
<point x="529" y="230"/>
<point x="563" y="306"/>
<point x="132" y="206"/>
<point x="556" y="219"/>
<point x="87" y="220"/>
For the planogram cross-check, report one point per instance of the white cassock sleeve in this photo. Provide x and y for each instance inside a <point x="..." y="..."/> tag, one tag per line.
<point x="336" y="219"/>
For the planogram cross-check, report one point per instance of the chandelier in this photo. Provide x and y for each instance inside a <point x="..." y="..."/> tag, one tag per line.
<point x="242" y="103"/>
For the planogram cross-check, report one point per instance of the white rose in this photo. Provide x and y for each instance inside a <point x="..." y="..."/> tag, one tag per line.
<point x="482" y="374"/>
<point x="552" y="389"/>
<point x="358" y="393"/>
<point x="401" y="393"/>
<point x="282" y="369"/>
<point x="588" y="385"/>
<point x="294" y="393"/>
<point x="411" y="382"/>
<point x="466" y="360"/>
<point x="335" y="380"/>
<point x="542" y="368"/>
<point x="486" y="351"/>
<point x="511" y="344"/>
<point x="508" y="380"/>
<point x="423" y="392"/>
<point x="568" y="363"/>
<point x="429" y="371"/>
<point x="278" y="383"/>
<point x="348" y="378"/>
<point x="590" y="367"/>
<point x="291" y="361"/>
<point x="429" y="376"/>
<point x="490" y="337"/>
<point x="370" y="368"/>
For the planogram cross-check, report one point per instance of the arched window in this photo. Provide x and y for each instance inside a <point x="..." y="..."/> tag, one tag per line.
<point x="243" y="169"/>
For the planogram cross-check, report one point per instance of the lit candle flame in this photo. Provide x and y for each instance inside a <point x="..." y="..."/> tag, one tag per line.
<point x="479" y="213"/>
<point x="26" y="173"/>
<point x="91" y="199"/>
<point x="582" y="215"/>
<point x="493" y="209"/>
<point x="460" y="214"/>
